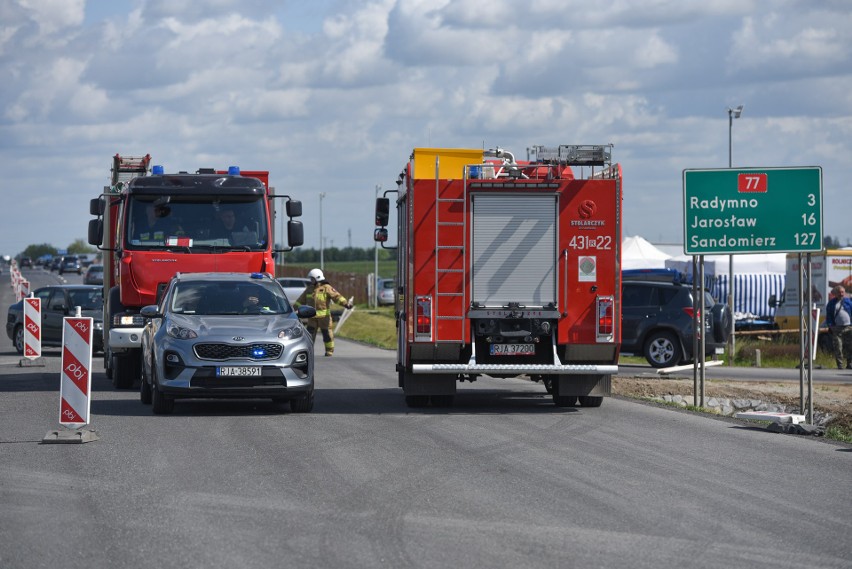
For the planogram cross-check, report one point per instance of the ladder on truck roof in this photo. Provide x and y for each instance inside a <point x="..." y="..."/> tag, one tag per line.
<point x="125" y="168"/>
<point x="449" y="260"/>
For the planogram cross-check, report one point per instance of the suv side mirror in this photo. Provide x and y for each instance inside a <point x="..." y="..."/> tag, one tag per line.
<point x="773" y="301"/>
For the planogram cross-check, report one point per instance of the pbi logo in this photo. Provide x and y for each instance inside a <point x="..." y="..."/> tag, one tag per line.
<point x="587" y="209"/>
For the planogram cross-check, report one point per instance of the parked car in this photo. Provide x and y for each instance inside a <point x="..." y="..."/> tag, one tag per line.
<point x="94" y="275"/>
<point x="226" y="335"/>
<point x="70" y="264"/>
<point x="293" y="286"/>
<point x="57" y="302"/>
<point x="386" y="292"/>
<point x="656" y="318"/>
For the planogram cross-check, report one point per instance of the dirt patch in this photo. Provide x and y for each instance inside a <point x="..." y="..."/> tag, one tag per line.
<point x="833" y="399"/>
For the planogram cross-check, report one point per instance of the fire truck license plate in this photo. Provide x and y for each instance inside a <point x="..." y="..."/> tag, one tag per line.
<point x="238" y="370"/>
<point x="512" y="349"/>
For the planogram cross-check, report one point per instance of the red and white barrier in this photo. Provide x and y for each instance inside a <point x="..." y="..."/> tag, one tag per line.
<point x="76" y="381"/>
<point x="23" y="289"/>
<point x="32" y="328"/>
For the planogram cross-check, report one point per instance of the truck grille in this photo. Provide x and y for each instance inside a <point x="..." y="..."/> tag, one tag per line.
<point x="242" y="351"/>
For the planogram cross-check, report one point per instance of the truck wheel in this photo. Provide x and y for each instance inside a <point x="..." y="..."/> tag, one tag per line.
<point x="442" y="400"/>
<point x="145" y="387"/>
<point x="548" y="384"/>
<point x="590" y="401"/>
<point x="417" y="401"/>
<point x="662" y="350"/>
<point x="161" y="404"/>
<point x="126" y="370"/>
<point x="19" y="338"/>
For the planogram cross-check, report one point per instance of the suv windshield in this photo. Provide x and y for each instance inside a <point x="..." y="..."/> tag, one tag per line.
<point x="154" y="222"/>
<point x="227" y="298"/>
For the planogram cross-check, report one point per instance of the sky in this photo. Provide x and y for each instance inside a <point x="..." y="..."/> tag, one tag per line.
<point x="331" y="96"/>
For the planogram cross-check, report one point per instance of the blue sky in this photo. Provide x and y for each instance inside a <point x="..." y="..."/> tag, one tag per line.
<point x="332" y="96"/>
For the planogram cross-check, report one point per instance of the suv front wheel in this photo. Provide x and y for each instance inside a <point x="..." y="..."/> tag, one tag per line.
<point x="662" y="349"/>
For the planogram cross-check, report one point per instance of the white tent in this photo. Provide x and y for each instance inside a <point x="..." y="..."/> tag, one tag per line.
<point x="718" y="264"/>
<point x="639" y="253"/>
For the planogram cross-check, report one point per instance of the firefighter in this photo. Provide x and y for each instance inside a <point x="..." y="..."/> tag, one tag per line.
<point x="320" y="294"/>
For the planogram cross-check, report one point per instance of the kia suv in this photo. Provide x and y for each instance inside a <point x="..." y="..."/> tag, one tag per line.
<point x="656" y="318"/>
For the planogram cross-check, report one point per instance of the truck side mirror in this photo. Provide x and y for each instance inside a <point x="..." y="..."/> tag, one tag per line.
<point x="380" y="235"/>
<point x="97" y="206"/>
<point x="382" y="212"/>
<point x="295" y="233"/>
<point x="96" y="232"/>
<point x="294" y="208"/>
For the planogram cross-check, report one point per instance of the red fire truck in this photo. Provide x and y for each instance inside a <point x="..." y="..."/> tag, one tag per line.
<point x="507" y="268"/>
<point x="156" y="225"/>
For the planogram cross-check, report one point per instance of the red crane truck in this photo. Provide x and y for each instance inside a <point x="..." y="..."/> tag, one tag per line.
<point x="507" y="269"/>
<point x="152" y="225"/>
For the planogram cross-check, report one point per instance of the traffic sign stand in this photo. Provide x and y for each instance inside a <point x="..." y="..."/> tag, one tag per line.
<point x="75" y="383"/>
<point x="32" y="333"/>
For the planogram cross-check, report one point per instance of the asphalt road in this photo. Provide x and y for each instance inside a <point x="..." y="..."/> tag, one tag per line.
<point x="503" y="479"/>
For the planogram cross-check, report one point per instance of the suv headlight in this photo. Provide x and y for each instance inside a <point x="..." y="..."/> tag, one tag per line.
<point x="291" y="333"/>
<point x="181" y="333"/>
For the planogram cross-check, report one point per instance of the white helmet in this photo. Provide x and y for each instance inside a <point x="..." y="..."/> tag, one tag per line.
<point x="316" y="275"/>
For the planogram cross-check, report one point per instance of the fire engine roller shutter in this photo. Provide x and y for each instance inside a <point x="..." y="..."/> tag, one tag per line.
<point x="514" y="249"/>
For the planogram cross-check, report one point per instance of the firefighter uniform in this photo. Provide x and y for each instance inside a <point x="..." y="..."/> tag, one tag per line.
<point x="320" y="296"/>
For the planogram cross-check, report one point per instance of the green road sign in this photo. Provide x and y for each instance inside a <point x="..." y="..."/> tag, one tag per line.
<point x="752" y="210"/>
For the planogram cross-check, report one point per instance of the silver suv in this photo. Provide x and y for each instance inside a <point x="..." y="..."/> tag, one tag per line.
<point x="226" y="335"/>
<point x="656" y="318"/>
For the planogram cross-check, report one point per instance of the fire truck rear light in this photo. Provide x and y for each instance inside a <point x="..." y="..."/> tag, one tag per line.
<point x="423" y="318"/>
<point x="606" y="320"/>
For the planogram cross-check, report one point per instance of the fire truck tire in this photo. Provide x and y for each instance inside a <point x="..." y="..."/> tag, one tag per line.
<point x="662" y="349"/>
<point x="125" y="370"/>
<point x="590" y="401"/>
<point x="442" y="400"/>
<point x="416" y="401"/>
<point x="548" y="384"/>
<point x="145" y="392"/>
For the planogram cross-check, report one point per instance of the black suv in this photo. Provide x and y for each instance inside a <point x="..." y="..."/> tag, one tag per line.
<point x="656" y="318"/>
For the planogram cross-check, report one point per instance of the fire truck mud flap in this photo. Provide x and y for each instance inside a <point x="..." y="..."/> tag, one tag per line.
<point x="429" y="384"/>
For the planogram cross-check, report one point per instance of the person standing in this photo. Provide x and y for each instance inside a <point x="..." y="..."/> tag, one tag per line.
<point x="320" y="295"/>
<point x="838" y="318"/>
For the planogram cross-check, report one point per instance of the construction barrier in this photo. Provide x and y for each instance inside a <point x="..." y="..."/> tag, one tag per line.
<point x="32" y="328"/>
<point x="76" y="380"/>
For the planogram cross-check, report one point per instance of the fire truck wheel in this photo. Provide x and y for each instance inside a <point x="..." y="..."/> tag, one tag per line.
<point x="564" y="400"/>
<point x="417" y="401"/>
<point x="662" y="349"/>
<point x="125" y="370"/>
<point x="19" y="339"/>
<point x="548" y="384"/>
<point x="442" y="400"/>
<point x="161" y="404"/>
<point x="145" y="388"/>
<point x="590" y="401"/>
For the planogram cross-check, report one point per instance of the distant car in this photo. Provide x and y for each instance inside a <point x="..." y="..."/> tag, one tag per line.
<point x="70" y="264"/>
<point x="656" y="318"/>
<point x="94" y="275"/>
<point x="55" y="263"/>
<point x="293" y="286"/>
<point x="386" y="292"/>
<point x="57" y="302"/>
<point x="26" y="262"/>
<point x="226" y="335"/>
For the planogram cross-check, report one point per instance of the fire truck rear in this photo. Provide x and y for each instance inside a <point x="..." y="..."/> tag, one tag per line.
<point x="156" y="225"/>
<point x="506" y="269"/>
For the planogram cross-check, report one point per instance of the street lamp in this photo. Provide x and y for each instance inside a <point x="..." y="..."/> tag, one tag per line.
<point x="732" y="114"/>
<point x="322" y="260"/>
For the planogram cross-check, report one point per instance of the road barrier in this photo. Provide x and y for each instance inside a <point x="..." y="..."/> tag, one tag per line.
<point x="32" y="328"/>
<point x="76" y="380"/>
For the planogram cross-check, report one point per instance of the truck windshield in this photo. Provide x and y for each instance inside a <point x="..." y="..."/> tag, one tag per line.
<point x="214" y="222"/>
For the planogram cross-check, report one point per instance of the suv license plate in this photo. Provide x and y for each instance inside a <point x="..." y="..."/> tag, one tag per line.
<point x="238" y="370"/>
<point x="512" y="349"/>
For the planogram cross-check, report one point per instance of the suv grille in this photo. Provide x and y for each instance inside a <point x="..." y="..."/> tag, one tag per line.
<point x="244" y="351"/>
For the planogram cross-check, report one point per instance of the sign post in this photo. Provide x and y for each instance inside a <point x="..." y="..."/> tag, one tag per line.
<point x="76" y="383"/>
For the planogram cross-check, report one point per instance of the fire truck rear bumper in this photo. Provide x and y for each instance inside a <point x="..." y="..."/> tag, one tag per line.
<point x="121" y="338"/>
<point x="571" y="369"/>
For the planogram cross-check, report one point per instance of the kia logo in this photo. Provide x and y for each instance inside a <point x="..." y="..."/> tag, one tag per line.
<point x="238" y="338"/>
